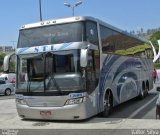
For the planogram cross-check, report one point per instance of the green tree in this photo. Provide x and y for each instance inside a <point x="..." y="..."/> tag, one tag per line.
<point x="154" y="37"/>
<point x="2" y="55"/>
<point x="12" y="67"/>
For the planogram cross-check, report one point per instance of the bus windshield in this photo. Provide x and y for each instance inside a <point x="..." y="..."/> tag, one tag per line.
<point x="55" y="34"/>
<point x="56" y="72"/>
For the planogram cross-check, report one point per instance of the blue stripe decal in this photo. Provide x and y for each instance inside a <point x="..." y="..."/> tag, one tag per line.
<point x="121" y="72"/>
<point x="130" y="63"/>
<point x="22" y="50"/>
<point x="107" y="64"/>
<point x="44" y="48"/>
<point x="65" y="45"/>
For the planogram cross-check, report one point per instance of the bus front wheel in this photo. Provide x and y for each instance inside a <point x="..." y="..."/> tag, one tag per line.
<point x="108" y="104"/>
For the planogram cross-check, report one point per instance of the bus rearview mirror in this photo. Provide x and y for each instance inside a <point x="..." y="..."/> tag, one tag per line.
<point x="6" y="62"/>
<point x="84" y="57"/>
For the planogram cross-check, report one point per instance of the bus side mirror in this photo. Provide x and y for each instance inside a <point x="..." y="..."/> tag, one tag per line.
<point x="158" y="89"/>
<point x="84" y="57"/>
<point x="6" y="62"/>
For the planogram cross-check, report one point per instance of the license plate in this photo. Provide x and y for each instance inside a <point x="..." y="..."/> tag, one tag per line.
<point x="45" y="113"/>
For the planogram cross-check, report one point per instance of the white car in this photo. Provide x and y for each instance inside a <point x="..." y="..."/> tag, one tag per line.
<point x="6" y="88"/>
<point x="2" y="78"/>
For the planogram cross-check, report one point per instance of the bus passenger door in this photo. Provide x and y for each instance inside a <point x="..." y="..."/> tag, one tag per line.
<point x="92" y="71"/>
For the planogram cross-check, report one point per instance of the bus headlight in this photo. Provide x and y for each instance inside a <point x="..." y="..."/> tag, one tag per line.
<point x="21" y="101"/>
<point x="75" y="101"/>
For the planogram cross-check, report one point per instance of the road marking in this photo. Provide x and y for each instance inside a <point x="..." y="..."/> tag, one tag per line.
<point x="140" y="109"/>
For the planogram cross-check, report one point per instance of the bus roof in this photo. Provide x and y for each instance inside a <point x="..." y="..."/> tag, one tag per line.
<point x="76" y="19"/>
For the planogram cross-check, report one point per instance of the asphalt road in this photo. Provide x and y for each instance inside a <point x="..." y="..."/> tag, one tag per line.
<point x="137" y="108"/>
<point x="133" y="109"/>
<point x="133" y="117"/>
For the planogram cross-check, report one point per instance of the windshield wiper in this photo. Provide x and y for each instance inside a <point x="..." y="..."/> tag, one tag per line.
<point x="55" y="83"/>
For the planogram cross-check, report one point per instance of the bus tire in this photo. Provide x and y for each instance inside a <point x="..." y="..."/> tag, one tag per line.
<point x="147" y="88"/>
<point x="146" y="92"/>
<point x="142" y="92"/>
<point x="108" y="104"/>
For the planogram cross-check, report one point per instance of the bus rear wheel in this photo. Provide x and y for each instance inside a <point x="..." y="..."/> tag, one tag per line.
<point x="147" y="89"/>
<point x="108" y="104"/>
<point x="143" y="92"/>
<point x="146" y="92"/>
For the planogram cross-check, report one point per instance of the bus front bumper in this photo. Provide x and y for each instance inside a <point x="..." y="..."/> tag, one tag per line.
<point x="67" y="112"/>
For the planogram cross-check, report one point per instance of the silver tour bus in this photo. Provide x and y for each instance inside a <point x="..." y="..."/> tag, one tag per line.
<point x="74" y="68"/>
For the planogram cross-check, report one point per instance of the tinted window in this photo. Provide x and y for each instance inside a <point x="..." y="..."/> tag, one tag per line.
<point x="64" y="33"/>
<point x="91" y="32"/>
<point x="66" y="61"/>
<point x="131" y="47"/>
<point x="107" y="40"/>
<point x="2" y="82"/>
<point x="120" y="44"/>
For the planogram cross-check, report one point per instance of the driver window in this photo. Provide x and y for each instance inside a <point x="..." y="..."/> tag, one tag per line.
<point x="91" y="32"/>
<point x="91" y="76"/>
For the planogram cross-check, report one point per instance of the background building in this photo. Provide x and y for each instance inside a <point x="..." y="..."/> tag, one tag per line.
<point x="6" y="49"/>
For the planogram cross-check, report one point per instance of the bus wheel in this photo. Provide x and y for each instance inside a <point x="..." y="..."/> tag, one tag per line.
<point x="7" y="92"/>
<point x="108" y="104"/>
<point x="147" y="88"/>
<point x="146" y="91"/>
<point x="143" y="91"/>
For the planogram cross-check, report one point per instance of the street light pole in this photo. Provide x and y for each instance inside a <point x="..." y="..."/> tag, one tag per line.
<point x="73" y="6"/>
<point x="40" y="10"/>
<point x="13" y="43"/>
<point x="72" y="10"/>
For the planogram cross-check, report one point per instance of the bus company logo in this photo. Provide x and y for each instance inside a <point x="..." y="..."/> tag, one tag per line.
<point x="10" y="132"/>
<point x="45" y="48"/>
<point x="76" y="95"/>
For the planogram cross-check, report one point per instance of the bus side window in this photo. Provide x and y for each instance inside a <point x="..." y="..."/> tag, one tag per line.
<point x="91" y="32"/>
